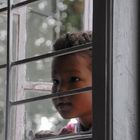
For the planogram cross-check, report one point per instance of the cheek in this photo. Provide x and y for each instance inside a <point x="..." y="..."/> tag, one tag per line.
<point x="83" y="98"/>
<point x="54" y="89"/>
<point x="78" y="85"/>
<point x="87" y="81"/>
<point x="86" y="101"/>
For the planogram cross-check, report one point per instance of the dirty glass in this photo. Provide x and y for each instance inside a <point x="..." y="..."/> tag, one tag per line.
<point x="44" y="21"/>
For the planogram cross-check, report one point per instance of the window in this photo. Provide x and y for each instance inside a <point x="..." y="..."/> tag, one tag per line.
<point x="26" y="40"/>
<point x="29" y="55"/>
<point x="17" y="62"/>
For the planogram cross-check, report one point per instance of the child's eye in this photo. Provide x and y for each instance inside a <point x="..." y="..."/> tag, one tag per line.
<point x="55" y="82"/>
<point x="74" y="79"/>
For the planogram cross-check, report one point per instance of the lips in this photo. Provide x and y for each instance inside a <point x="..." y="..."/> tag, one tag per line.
<point x="64" y="106"/>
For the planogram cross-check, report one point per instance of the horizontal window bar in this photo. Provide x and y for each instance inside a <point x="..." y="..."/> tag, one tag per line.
<point x="52" y="54"/>
<point x="55" y="53"/>
<point x="54" y="95"/>
<point x="18" y="5"/>
<point x="78" y="136"/>
<point x="3" y="66"/>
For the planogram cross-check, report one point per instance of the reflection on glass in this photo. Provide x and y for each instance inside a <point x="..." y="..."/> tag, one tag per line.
<point x="34" y="76"/>
<point x="42" y="22"/>
<point x="39" y="70"/>
<point x="3" y="3"/>
<point x="3" y="37"/>
<point x="35" y="116"/>
<point x="35" y="28"/>
<point x="2" y="101"/>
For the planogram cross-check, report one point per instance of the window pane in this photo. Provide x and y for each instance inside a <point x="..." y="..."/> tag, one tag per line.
<point x="23" y="89"/>
<point x="3" y="37"/>
<point x="2" y="101"/>
<point x="35" y="28"/>
<point x="35" y="116"/>
<point x="39" y="70"/>
<point x="35" y="76"/>
<point x="41" y="22"/>
<point x="3" y="3"/>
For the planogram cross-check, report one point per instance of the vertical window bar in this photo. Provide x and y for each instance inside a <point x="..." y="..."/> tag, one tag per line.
<point x="8" y="71"/>
<point x="109" y="70"/>
<point x="99" y="69"/>
<point x="102" y="69"/>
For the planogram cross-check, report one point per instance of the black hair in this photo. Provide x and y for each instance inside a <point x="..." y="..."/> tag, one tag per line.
<point x="73" y="39"/>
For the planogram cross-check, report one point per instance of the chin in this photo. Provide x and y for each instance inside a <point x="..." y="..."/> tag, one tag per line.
<point x="68" y="116"/>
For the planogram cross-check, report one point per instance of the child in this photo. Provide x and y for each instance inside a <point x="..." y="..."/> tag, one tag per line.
<point x="69" y="72"/>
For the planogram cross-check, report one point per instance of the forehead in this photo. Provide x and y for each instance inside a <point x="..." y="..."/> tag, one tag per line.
<point x="72" y="62"/>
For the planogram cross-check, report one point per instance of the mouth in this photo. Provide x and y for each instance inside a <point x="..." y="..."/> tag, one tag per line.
<point x="64" y="106"/>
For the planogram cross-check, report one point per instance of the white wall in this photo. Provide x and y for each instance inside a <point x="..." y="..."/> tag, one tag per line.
<point x="125" y="58"/>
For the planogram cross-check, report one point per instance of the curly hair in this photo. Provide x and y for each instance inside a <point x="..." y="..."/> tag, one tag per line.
<point x="72" y="40"/>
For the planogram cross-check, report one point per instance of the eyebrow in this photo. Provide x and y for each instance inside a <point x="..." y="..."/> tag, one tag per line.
<point x="72" y="71"/>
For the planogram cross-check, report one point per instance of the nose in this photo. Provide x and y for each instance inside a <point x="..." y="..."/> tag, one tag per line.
<point x="62" y="88"/>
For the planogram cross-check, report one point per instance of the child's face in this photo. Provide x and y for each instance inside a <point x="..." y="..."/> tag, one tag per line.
<point x="71" y="72"/>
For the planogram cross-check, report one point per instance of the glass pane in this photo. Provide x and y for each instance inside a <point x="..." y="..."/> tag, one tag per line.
<point x="18" y="1"/>
<point x="41" y="22"/>
<point x="39" y="70"/>
<point x="3" y="37"/>
<point x="2" y="101"/>
<point x="35" y="28"/>
<point x="34" y="76"/>
<point x="74" y="72"/>
<point x="34" y="117"/>
<point x="3" y="3"/>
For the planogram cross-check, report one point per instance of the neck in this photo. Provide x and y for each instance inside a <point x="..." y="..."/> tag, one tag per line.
<point x="86" y="122"/>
